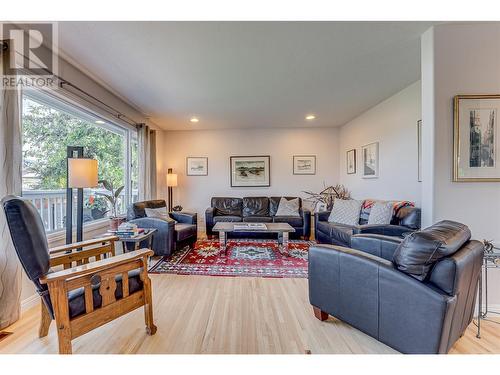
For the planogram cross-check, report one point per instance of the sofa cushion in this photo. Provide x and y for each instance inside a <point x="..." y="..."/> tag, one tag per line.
<point x="345" y="212"/>
<point x="294" y="221"/>
<point x="288" y="207"/>
<point x="227" y="218"/>
<point x="381" y="213"/>
<point x="138" y="208"/>
<point x="76" y="297"/>
<point x="258" y="219"/>
<point x="340" y="233"/>
<point x="184" y="231"/>
<point x="420" y="250"/>
<point x="227" y="206"/>
<point x="255" y="206"/>
<point x="274" y="202"/>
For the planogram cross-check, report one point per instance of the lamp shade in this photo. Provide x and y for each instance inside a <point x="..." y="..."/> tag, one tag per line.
<point x="82" y="173"/>
<point x="172" y="179"/>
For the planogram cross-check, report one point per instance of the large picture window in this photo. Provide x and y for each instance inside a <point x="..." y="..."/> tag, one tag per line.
<point x="48" y="127"/>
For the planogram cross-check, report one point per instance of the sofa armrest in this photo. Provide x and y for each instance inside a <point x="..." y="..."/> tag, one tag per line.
<point x="209" y="220"/>
<point x="368" y="293"/>
<point x="185" y="217"/>
<point x="321" y="216"/>
<point x="163" y="239"/>
<point x="306" y="222"/>
<point x="376" y="244"/>
<point x="383" y="229"/>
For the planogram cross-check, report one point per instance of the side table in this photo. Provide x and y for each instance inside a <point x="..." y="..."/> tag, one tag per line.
<point x="491" y="260"/>
<point x="147" y="235"/>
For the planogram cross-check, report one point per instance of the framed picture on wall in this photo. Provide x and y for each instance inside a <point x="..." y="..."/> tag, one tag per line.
<point x="304" y="164"/>
<point x="370" y="160"/>
<point x="475" y="138"/>
<point x="196" y="166"/>
<point x="351" y="161"/>
<point x="419" y="150"/>
<point x="250" y="171"/>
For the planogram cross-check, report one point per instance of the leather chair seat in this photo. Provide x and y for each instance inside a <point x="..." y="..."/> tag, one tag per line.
<point x="258" y="219"/>
<point x="340" y="233"/>
<point x="227" y="219"/>
<point x="184" y="231"/>
<point x="76" y="297"/>
<point x="294" y="221"/>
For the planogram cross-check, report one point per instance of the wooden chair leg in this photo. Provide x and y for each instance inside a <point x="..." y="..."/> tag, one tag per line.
<point x="321" y="315"/>
<point x="59" y="297"/>
<point x="45" y="321"/>
<point x="148" y="308"/>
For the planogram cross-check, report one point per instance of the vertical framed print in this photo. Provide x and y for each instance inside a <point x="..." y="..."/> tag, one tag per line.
<point x="370" y="156"/>
<point x="304" y="164"/>
<point x="475" y="138"/>
<point x="351" y="161"/>
<point x="196" y="166"/>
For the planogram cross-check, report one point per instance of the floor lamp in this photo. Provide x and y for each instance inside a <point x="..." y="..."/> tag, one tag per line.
<point x="171" y="183"/>
<point x="82" y="173"/>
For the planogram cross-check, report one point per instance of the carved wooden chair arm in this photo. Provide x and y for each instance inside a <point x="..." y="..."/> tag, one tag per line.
<point x="97" y="266"/>
<point x="81" y="252"/>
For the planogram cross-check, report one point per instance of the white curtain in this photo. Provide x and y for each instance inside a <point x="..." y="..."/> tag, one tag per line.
<point x="10" y="183"/>
<point x="147" y="163"/>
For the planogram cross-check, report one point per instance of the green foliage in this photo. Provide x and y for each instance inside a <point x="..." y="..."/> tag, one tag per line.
<point x="112" y="196"/>
<point x="47" y="133"/>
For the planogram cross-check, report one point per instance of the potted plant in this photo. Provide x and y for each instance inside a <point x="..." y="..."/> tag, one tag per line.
<point x="97" y="207"/>
<point x="112" y="196"/>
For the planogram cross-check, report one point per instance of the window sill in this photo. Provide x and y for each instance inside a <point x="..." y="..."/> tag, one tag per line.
<point x="60" y="235"/>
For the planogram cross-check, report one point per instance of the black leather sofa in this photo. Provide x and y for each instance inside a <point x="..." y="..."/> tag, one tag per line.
<point x="366" y="287"/>
<point x="255" y="209"/>
<point x="173" y="235"/>
<point x="405" y="219"/>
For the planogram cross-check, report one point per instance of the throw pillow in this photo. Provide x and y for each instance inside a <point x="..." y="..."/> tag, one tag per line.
<point x="288" y="207"/>
<point x="419" y="251"/>
<point x="158" y="213"/>
<point x="345" y="212"/>
<point x="381" y="213"/>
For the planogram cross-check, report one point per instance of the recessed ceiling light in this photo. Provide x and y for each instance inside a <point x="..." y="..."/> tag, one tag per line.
<point x="194" y="119"/>
<point x="310" y="117"/>
<point x="99" y="122"/>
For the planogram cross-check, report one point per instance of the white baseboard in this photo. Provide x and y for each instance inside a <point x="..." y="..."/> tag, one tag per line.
<point x="29" y="302"/>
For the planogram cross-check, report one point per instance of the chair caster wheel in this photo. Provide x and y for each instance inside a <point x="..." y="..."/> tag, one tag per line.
<point x="151" y="330"/>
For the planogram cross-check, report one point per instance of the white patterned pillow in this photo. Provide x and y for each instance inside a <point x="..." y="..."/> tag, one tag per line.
<point x="345" y="212"/>
<point x="381" y="213"/>
<point x="288" y="207"/>
<point x="158" y="213"/>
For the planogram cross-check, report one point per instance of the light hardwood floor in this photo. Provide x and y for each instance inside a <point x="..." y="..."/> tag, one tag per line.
<point x="197" y="314"/>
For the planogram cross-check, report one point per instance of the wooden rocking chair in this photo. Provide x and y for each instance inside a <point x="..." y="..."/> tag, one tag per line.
<point x="82" y="295"/>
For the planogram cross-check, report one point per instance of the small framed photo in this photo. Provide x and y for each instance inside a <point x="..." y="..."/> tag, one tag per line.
<point x="475" y="138"/>
<point x="304" y="164"/>
<point x="351" y="161"/>
<point x="196" y="166"/>
<point x="370" y="160"/>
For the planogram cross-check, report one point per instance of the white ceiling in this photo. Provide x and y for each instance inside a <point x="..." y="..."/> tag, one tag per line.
<point x="248" y="74"/>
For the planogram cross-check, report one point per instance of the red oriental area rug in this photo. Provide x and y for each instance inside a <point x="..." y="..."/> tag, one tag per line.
<point x="246" y="257"/>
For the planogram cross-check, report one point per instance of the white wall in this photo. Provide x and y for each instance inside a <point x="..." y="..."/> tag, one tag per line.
<point x="392" y="123"/>
<point x="460" y="59"/>
<point x="194" y="192"/>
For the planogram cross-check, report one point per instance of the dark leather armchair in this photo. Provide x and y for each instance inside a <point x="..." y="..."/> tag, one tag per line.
<point x="365" y="288"/>
<point x="405" y="220"/>
<point x="171" y="235"/>
<point x="255" y="209"/>
<point x="82" y="285"/>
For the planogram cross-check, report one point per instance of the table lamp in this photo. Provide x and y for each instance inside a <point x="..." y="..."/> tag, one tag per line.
<point x="171" y="182"/>
<point x="82" y="173"/>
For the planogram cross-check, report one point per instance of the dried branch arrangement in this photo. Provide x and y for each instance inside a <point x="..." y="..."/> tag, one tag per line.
<point x="328" y="195"/>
